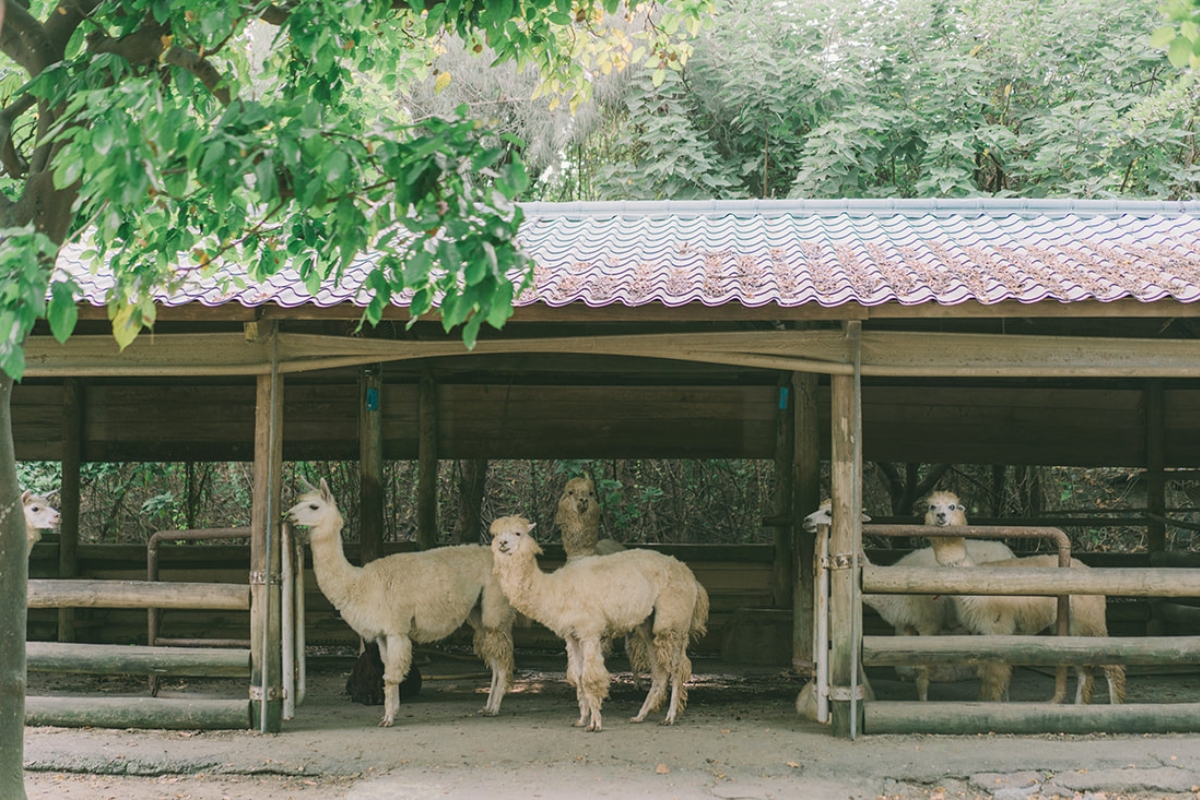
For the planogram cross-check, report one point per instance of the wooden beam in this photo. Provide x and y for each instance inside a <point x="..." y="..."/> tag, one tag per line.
<point x="785" y="443"/>
<point x="85" y="593"/>
<point x="137" y="712"/>
<point x="845" y="540"/>
<point x="108" y="659"/>
<point x="70" y="494"/>
<point x="266" y="554"/>
<point x="1037" y="581"/>
<point x="1040" y="651"/>
<point x="1023" y="718"/>
<point x="1156" y="484"/>
<point x="370" y="461"/>
<point x="806" y="497"/>
<point x="427" y="466"/>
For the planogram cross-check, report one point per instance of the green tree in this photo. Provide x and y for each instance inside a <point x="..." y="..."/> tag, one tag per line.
<point x="151" y="131"/>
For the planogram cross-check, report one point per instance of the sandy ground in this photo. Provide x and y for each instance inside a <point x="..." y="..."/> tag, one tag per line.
<point x="740" y="738"/>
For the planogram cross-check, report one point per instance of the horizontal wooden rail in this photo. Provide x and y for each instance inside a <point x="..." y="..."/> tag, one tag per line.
<point x="55" y="593"/>
<point x="971" y="718"/>
<point x="137" y="712"/>
<point x="1043" y="581"/>
<point x="106" y="659"/>
<point x="1042" y="651"/>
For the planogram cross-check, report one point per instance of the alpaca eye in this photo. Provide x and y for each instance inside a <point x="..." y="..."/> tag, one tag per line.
<point x="952" y="506"/>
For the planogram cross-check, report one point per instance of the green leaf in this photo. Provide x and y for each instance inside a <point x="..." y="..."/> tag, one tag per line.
<point x="63" y="313"/>
<point x="1180" y="52"/>
<point x="1163" y="36"/>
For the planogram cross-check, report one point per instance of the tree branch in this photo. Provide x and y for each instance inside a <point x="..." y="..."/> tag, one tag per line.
<point x="13" y="163"/>
<point x="24" y="39"/>
<point x="148" y="45"/>
<point x="202" y="68"/>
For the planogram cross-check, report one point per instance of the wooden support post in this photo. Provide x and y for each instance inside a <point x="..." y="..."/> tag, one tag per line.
<point x="70" y="496"/>
<point x="845" y="542"/>
<point x="806" y="496"/>
<point x="427" y="466"/>
<point x="1156" y="485"/>
<point x="785" y="442"/>
<point x="370" y="462"/>
<point x="266" y="633"/>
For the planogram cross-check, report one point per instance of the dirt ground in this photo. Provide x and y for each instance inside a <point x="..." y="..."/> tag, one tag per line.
<point x="739" y="738"/>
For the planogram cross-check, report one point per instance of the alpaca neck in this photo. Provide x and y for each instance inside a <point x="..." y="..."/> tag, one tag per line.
<point x="525" y="585"/>
<point x="951" y="552"/>
<point x="335" y="575"/>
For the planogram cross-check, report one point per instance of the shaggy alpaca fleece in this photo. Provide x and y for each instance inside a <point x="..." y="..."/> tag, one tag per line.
<point x="407" y="597"/>
<point x="1008" y="615"/>
<point x="590" y="597"/>
<point x="578" y="519"/>
<point x="38" y="516"/>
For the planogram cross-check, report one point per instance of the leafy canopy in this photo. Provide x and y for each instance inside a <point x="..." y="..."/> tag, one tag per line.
<point x="175" y="138"/>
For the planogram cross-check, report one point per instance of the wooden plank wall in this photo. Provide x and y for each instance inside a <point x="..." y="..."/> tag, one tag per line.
<point x="735" y="577"/>
<point x="902" y="423"/>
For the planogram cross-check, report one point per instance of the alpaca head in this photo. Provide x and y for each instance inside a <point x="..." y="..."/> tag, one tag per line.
<point x="578" y="503"/>
<point x="510" y="537"/>
<point x="823" y="516"/>
<point x="39" y="514"/>
<point x="944" y="508"/>
<point x="316" y="507"/>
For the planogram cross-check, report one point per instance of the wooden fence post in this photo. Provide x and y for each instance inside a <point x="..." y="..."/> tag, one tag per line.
<point x="69" y="496"/>
<point x="370" y="462"/>
<point x="427" y="466"/>
<point x="806" y="496"/>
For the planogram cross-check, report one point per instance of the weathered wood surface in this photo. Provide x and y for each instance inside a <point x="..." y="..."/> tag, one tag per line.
<point x="1044" y="581"/>
<point x="137" y="712"/>
<point x="83" y="593"/>
<point x="108" y="659"/>
<point x="1030" y="650"/>
<point x="1020" y="718"/>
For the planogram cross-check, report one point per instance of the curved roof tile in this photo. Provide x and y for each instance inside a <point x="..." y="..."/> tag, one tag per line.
<point x="789" y="253"/>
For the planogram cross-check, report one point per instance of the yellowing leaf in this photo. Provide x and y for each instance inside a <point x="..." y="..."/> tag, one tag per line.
<point x="443" y="80"/>
<point x="124" y="329"/>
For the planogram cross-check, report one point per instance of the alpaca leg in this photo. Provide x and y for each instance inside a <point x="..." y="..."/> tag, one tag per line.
<point x="594" y="680"/>
<point x="575" y="678"/>
<point x="922" y="679"/>
<point x="1116" y="683"/>
<point x="496" y="649"/>
<point x="675" y="645"/>
<point x="658" y="674"/>
<point x="993" y="682"/>
<point x="396" y="652"/>
<point x="1060" y="685"/>
<point x="637" y="649"/>
<point x="1085" y="685"/>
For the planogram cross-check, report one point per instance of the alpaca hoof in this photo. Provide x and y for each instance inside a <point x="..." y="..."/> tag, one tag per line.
<point x="579" y="723"/>
<point x="637" y="719"/>
<point x="594" y="727"/>
<point x="487" y="712"/>
<point x="667" y="721"/>
<point x="386" y="722"/>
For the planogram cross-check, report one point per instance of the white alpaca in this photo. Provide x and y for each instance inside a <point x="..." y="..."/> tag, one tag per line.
<point x="1007" y="615"/>
<point x="590" y="597"/>
<point x="578" y="518"/>
<point x="918" y="615"/>
<point x="39" y="514"/>
<point x="407" y="597"/>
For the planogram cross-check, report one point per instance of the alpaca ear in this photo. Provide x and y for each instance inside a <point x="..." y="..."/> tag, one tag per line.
<point x="532" y="525"/>
<point x="324" y="489"/>
<point x="25" y="495"/>
<point x="305" y="484"/>
<point x="866" y="517"/>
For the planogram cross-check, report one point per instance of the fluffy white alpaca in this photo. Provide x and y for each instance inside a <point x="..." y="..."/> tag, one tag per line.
<point x="407" y="597"/>
<point x="591" y="597"/>
<point x="39" y="515"/>
<point x="1007" y="615"/>
<point x="578" y="519"/>
<point x="918" y="615"/>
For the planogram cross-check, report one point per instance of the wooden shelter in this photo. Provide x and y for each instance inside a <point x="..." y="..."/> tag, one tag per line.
<point x="1001" y="332"/>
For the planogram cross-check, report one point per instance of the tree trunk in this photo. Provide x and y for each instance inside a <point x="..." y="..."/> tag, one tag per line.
<point x="14" y="574"/>
<point x="470" y="500"/>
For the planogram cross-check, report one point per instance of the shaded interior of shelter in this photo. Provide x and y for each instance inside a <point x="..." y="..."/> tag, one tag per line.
<point x="591" y="406"/>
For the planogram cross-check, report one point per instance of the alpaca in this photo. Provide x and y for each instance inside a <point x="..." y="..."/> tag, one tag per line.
<point x="1007" y="615"/>
<point x="578" y="518"/>
<point x="407" y="597"/>
<point x="918" y="615"/>
<point x="364" y="684"/>
<point x="590" y="597"/>
<point x="39" y="514"/>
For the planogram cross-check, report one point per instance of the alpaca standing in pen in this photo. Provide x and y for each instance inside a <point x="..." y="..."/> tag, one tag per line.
<point x="591" y="597"/>
<point x="407" y="597"/>
<point x="1007" y="615"/>
<point x="578" y="519"/>
<point x="39" y="515"/>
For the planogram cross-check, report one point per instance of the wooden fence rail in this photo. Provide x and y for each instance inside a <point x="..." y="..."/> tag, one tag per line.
<point x="55" y="593"/>
<point x="1043" y="581"/>
<point x="1034" y="651"/>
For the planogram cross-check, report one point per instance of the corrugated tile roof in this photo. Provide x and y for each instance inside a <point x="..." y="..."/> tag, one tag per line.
<point x="829" y="252"/>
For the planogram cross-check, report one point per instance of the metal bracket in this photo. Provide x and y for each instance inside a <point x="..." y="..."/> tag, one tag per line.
<point x="259" y="578"/>
<point x="273" y="693"/>
<point x="840" y="561"/>
<point x="843" y="694"/>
